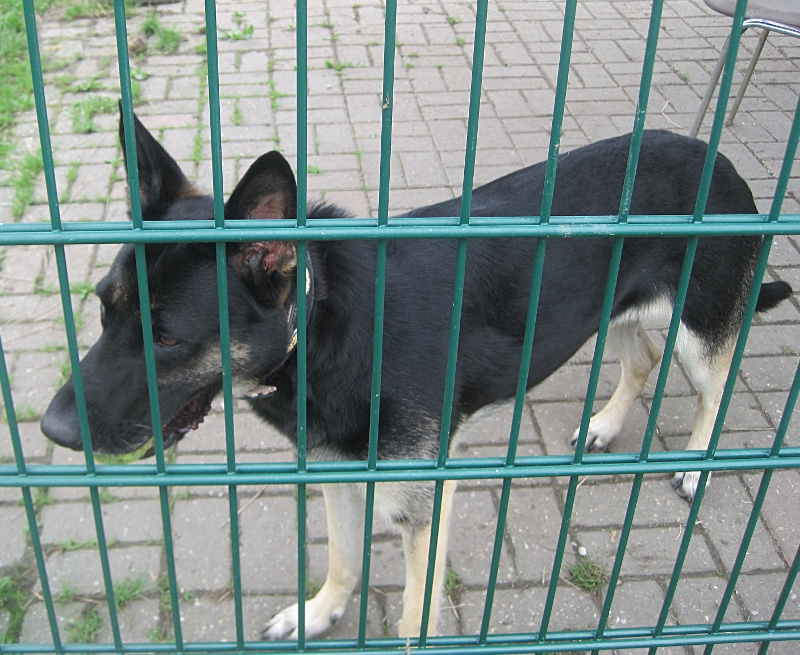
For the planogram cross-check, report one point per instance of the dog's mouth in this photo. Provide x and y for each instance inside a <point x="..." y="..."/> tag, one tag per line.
<point x="188" y="418"/>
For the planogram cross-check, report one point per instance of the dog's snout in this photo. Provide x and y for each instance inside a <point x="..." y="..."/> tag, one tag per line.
<point x="60" y="421"/>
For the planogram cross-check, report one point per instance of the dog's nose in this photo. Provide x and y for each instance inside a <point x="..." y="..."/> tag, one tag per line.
<point x="60" y="421"/>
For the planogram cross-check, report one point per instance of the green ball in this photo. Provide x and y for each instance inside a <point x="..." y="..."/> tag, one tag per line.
<point x="127" y="458"/>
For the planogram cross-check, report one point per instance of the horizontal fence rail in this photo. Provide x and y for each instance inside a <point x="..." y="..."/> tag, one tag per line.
<point x="236" y="476"/>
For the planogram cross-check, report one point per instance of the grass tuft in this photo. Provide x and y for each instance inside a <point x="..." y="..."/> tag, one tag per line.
<point x="86" y="627"/>
<point x="84" y="111"/>
<point x="12" y="600"/>
<point x="129" y="590"/>
<point x="23" y="181"/>
<point x="588" y="575"/>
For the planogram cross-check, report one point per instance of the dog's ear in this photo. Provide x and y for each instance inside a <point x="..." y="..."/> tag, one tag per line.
<point x="161" y="181"/>
<point x="268" y="190"/>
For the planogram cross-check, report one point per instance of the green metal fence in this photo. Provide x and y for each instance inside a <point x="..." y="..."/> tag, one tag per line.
<point x="234" y="475"/>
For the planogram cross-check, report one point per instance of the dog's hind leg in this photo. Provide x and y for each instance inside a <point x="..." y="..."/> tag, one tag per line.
<point x="638" y="355"/>
<point x="345" y="506"/>
<point x="707" y="373"/>
<point x="416" y="543"/>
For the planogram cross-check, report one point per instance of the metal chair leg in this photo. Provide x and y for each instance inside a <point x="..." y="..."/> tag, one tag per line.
<point x="748" y="74"/>
<point x="712" y="84"/>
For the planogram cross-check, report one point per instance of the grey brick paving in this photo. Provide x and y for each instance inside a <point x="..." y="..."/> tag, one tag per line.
<point x="258" y="100"/>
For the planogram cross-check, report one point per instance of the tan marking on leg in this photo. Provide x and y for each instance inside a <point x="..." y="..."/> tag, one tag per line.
<point x="416" y="547"/>
<point x="638" y="356"/>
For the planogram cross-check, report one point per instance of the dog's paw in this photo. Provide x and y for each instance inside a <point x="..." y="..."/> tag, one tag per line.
<point x="685" y="483"/>
<point x="599" y="436"/>
<point x="284" y="624"/>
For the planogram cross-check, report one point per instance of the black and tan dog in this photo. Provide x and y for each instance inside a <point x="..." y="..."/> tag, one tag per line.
<point x="419" y="289"/>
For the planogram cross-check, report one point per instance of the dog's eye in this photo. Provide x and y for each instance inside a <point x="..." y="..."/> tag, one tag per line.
<point x="166" y="341"/>
<point x="102" y="314"/>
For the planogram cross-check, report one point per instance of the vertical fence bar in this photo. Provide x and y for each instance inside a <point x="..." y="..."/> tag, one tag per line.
<point x="547" y="204"/>
<point x="516" y="421"/>
<point x="72" y="343"/>
<point x="302" y="253"/>
<point x="212" y="59"/>
<point x="624" y="212"/>
<point x="458" y="298"/>
<point x="786" y="590"/>
<point x="761" y="266"/>
<point x="144" y="306"/>
<point x="27" y="501"/>
<point x="702" y="197"/>
<point x="387" y="93"/>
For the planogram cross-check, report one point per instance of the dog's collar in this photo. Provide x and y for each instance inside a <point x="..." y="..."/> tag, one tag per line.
<point x="291" y="317"/>
<point x="264" y="390"/>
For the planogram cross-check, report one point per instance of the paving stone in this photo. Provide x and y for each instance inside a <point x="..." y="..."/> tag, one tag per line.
<point x="393" y="610"/>
<point x="636" y="603"/>
<point x="268" y="545"/>
<point x="79" y="571"/>
<point x="697" y="600"/>
<point x="724" y="515"/>
<point x="760" y="593"/>
<point x="533" y="523"/>
<point x="36" y="626"/>
<point x="521" y="610"/>
<point x="12" y="545"/>
<point x="136" y="621"/>
<point x="124" y="521"/>
<point x="474" y="514"/>
<point x="781" y="504"/>
<point x="493" y="426"/>
<point x="202" y="544"/>
<point x="650" y="551"/>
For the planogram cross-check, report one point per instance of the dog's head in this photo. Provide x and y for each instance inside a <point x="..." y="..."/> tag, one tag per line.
<point x="182" y="283"/>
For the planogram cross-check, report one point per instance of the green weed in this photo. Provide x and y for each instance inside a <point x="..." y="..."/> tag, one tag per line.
<point x="243" y="29"/>
<point x="313" y="170"/>
<point x="84" y="86"/>
<point x="74" y="9"/>
<point x="84" y="630"/>
<point x="237" y="112"/>
<point x="130" y="590"/>
<point x="12" y="600"/>
<point x="67" y="594"/>
<point x="64" y="373"/>
<point x="239" y="33"/>
<point x="106" y="496"/>
<point x="71" y="544"/>
<point x="167" y="39"/>
<point x="459" y="41"/>
<point x="587" y="574"/>
<point x="338" y="66"/>
<point x="24" y="413"/>
<point x="453" y="20"/>
<point x="23" y="182"/>
<point x="453" y="586"/>
<point x="43" y="498"/>
<point x="82" y="288"/>
<point x="84" y="111"/>
<point x="197" y="150"/>
<point x="274" y="95"/>
<point x="312" y="587"/>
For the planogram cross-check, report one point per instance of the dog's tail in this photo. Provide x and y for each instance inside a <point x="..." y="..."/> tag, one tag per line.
<point x="772" y="293"/>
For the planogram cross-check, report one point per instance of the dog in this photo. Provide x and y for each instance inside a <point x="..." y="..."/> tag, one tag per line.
<point x="419" y="291"/>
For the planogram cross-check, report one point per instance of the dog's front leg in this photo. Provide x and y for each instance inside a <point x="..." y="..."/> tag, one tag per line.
<point x="345" y="506"/>
<point x="416" y="544"/>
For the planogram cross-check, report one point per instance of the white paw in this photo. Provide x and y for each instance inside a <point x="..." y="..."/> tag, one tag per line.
<point x="685" y="483"/>
<point x="599" y="436"/>
<point x="318" y="619"/>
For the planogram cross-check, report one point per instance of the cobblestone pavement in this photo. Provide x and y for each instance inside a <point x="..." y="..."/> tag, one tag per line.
<point x="433" y="73"/>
